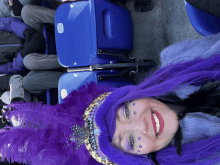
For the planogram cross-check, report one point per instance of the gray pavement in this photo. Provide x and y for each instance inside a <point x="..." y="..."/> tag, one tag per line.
<point x="166" y="24"/>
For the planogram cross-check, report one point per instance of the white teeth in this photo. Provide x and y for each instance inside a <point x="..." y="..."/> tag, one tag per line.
<point x="157" y="122"/>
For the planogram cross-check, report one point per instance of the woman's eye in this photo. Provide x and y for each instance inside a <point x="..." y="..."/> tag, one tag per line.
<point x="126" y="112"/>
<point x="131" y="141"/>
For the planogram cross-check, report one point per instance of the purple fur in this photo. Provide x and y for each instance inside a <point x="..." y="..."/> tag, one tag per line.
<point x="47" y="143"/>
<point x="161" y="82"/>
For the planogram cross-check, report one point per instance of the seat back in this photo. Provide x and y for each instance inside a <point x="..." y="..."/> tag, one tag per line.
<point x="114" y="27"/>
<point x="80" y="32"/>
<point x="73" y="80"/>
<point x="204" y="23"/>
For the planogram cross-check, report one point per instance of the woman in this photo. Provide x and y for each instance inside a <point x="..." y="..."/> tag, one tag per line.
<point x="163" y="120"/>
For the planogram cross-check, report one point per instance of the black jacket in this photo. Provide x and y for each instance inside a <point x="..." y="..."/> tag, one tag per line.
<point x="209" y="6"/>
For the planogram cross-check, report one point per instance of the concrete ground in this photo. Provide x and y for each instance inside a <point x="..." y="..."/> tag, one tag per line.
<point x="166" y="24"/>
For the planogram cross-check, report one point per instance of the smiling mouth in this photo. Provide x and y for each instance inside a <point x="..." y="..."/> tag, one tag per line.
<point x="158" y="122"/>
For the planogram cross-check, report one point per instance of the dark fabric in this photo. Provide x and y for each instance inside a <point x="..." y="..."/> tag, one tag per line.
<point x="13" y="25"/>
<point x="16" y="99"/>
<point x="4" y="83"/>
<point x="11" y="43"/>
<point x="4" y="86"/>
<point x="1" y="106"/>
<point x="53" y="4"/>
<point x="209" y="6"/>
<point x="214" y="7"/>
<point x="34" y="42"/>
<point x="16" y="7"/>
<point x="206" y="100"/>
<point x="15" y="67"/>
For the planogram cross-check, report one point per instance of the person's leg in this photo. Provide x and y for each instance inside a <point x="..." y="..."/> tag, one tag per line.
<point x="35" y="61"/>
<point x="5" y="9"/>
<point x="34" y="16"/>
<point x="17" y="90"/>
<point x="35" y="82"/>
<point x="16" y="86"/>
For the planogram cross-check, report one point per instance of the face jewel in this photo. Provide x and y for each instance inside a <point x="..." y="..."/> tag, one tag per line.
<point x="133" y="104"/>
<point x="140" y="146"/>
<point x="139" y="138"/>
<point x="135" y="112"/>
<point x="138" y="151"/>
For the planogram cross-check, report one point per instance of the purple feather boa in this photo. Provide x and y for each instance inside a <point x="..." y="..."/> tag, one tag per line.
<point x="43" y="133"/>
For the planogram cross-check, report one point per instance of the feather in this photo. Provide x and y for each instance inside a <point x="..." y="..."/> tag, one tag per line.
<point x="178" y="141"/>
<point x="153" y="156"/>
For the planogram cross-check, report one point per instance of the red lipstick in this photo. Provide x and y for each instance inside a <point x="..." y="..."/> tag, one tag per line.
<point x="161" y="122"/>
<point x="154" y="123"/>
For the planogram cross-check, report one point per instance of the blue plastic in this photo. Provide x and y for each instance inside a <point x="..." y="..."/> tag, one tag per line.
<point x="50" y="49"/>
<point x="204" y="23"/>
<point x="114" y="26"/>
<point x="72" y="81"/>
<point x="83" y="27"/>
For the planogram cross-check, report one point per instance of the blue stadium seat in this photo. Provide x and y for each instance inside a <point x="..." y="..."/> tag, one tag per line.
<point x="51" y="94"/>
<point x="116" y="75"/>
<point x="92" y="32"/>
<point x="73" y="80"/>
<point x="204" y="23"/>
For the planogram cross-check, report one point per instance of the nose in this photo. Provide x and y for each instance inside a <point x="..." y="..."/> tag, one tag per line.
<point x="141" y="125"/>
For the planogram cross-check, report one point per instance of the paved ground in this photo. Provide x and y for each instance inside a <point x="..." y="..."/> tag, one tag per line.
<point x="166" y="24"/>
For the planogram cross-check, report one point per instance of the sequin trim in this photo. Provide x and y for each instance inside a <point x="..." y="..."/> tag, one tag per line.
<point x="88" y="117"/>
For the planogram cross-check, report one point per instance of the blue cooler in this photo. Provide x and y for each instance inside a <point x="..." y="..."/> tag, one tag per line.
<point x="92" y="32"/>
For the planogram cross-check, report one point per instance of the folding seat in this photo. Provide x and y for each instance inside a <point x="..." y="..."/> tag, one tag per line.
<point x="92" y="32"/>
<point x="73" y="80"/>
<point x="93" y="39"/>
<point x="204" y="23"/>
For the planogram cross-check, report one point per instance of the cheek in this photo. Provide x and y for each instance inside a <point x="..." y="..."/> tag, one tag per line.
<point x="145" y="146"/>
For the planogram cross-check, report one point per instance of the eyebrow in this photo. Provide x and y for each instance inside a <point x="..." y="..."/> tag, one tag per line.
<point x="119" y="137"/>
<point x="117" y="116"/>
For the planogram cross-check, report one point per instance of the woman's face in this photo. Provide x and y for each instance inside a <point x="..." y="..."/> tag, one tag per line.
<point x="144" y="126"/>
